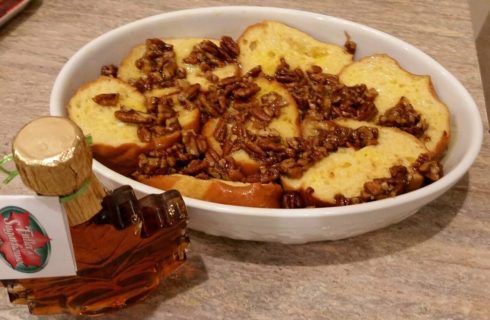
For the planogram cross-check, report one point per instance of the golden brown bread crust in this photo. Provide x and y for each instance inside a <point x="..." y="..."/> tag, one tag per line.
<point x="124" y="158"/>
<point x="214" y="190"/>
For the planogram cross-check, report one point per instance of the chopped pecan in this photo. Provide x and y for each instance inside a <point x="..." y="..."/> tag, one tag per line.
<point x="133" y="116"/>
<point x="363" y="136"/>
<point x="172" y="124"/>
<point x="158" y="65"/>
<point x="208" y="55"/>
<point x="195" y="167"/>
<point x="144" y="134"/>
<point x="109" y="70"/>
<point x="349" y="45"/>
<point x="180" y="73"/>
<point x="432" y="170"/>
<point x="253" y="148"/>
<point x="292" y="200"/>
<point x="387" y="187"/>
<point x="220" y="130"/>
<point x="404" y="117"/>
<point x="265" y="175"/>
<point x="260" y="114"/>
<point x="271" y="143"/>
<point x="190" y="92"/>
<point x="356" y="102"/>
<point x="211" y="157"/>
<point x="230" y="48"/>
<point x="246" y="90"/>
<point x="107" y="99"/>
<point x="254" y="72"/>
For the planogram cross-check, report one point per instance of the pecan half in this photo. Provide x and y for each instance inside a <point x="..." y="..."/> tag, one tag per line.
<point x="107" y="99"/>
<point x="292" y="200"/>
<point x="230" y="48"/>
<point x="109" y="71"/>
<point x="133" y="116"/>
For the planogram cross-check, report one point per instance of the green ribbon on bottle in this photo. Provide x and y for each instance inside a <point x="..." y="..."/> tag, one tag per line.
<point x="11" y="174"/>
<point x="78" y="192"/>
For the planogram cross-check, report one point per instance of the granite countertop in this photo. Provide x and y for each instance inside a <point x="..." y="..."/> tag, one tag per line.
<point x="434" y="265"/>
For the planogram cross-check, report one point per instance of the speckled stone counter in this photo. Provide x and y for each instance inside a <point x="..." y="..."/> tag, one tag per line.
<point x="434" y="265"/>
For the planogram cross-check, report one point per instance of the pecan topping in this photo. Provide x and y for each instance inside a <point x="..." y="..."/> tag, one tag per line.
<point x="195" y="145"/>
<point x="397" y="183"/>
<point x="254" y="72"/>
<point x="363" y="136"/>
<point x="133" y="116"/>
<point x="322" y="92"/>
<point x="386" y="187"/>
<point x="158" y="65"/>
<point x="349" y="45"/>
<point x="292" y="200"/>
<point x="190" y="92"/>
<point x="107" y="99"/>
<point x="230" y="48"/>
<point x="209" y="56"/>
<point x="109" y="70"/>
<point x="430" y="169"/>
<point x="404" y="117"/>
<point x="195" y="167"/>
<point x="144" y="134"/>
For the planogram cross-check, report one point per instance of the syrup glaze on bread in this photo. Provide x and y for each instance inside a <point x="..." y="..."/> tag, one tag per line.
<point x="278" y="119"/>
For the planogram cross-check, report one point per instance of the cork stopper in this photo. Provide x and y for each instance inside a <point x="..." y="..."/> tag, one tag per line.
<point x="53" y="159"/>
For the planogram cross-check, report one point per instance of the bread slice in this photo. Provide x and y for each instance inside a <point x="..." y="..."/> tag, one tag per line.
<point x="287" y="125"/>
<point x="393" y="82"/>
<point x="267" y="42"/>
<point x="115" y="143"/>
<point x="182" y="47"/>
<point x="220" y="191"/>
<point x="345" y="171"/>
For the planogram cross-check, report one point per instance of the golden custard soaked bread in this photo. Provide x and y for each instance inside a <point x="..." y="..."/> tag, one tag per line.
<point x="266" y="195"/>
<point x="267" y="42"/>
<point x="97" y="108"/>
<point x="286" y="130"/>
<point x="115" y="143"/>
<point x="182" y="48"/>
<point x="399" y="93"/>
<point x="342" y="175"/>
<point x="285" y="125"/>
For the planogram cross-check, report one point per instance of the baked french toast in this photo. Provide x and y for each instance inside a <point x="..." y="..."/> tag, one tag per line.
<point x="182" y="48"/>
<point x="92" y="108"/>
<point x="344" y="174"/>
<point x="285" y="125"/>
<point x="118" y="143"/>
<point x="401" y="91"/>
<point x="277" y="119"/>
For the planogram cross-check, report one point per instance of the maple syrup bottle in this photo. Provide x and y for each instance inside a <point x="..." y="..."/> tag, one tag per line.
<point x="123" y="246"/>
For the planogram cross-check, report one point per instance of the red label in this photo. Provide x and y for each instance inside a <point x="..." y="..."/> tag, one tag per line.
<point x="23" y="242"/>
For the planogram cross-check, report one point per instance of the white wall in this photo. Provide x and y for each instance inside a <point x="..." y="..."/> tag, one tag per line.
<point x="479" y="12"/>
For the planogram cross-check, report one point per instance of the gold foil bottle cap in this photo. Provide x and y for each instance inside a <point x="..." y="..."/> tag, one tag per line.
<point x="53" y="159"/>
